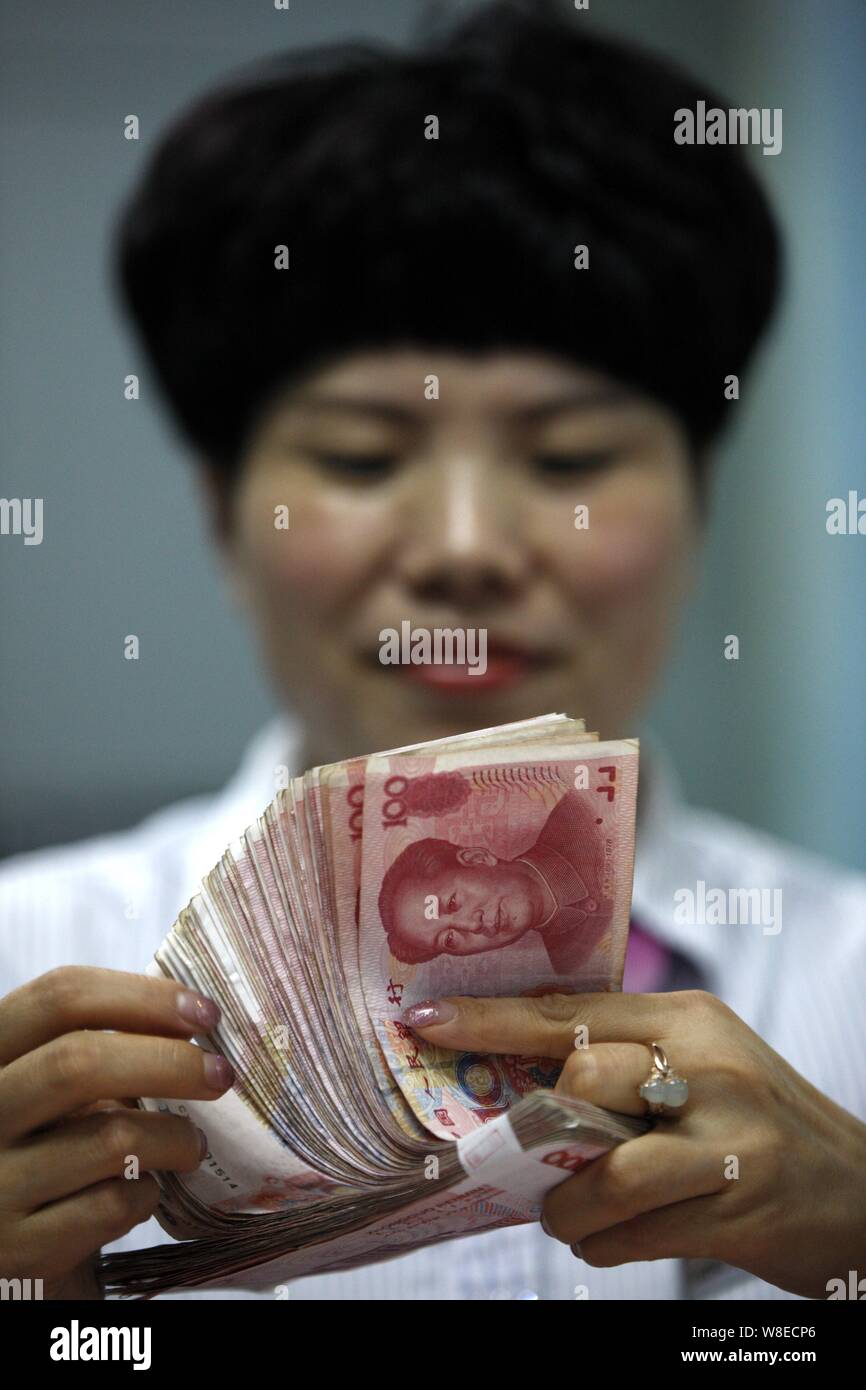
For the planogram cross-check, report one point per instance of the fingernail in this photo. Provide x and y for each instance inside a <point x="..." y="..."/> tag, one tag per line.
<point x="575" y="1250"/>
<point x="202" y="1142"/>
<point x="194" y="1008"/>
<point x="218" y="1071"/>
<point x="544" y="1226"/>
<point x="429" y="1011"/>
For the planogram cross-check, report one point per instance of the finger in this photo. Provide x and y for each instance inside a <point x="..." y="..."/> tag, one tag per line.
<point x="64" y="1233"/>
<point x="62" y="1161"/>
<point x="77" y="996"/>
<point x="97" y="1105"/>
<point x="609" y="1075"/>
<point x="685" y="1231"/>
<point x="656" y="1170"/>
<point x="543" y="1025"/>
<point x="80" y="1068"/>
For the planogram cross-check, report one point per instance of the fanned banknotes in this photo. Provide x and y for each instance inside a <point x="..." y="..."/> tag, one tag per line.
<point x="498" y="862"/>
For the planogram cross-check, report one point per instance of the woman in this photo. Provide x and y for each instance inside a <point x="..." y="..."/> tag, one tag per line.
<point x="450" y="335"/>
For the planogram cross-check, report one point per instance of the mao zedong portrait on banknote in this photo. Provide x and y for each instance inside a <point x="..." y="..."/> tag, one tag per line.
<point x="442" y="898"/>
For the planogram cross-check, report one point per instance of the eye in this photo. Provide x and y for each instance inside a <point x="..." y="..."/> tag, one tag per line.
<point x="357" y="467"/>
<point x="555" y="466"/>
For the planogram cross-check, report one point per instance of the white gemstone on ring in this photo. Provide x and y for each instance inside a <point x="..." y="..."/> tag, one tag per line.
<point x="663" y="1089"/>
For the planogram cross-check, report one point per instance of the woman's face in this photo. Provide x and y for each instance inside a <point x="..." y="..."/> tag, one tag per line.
<point x="440" y="490"/>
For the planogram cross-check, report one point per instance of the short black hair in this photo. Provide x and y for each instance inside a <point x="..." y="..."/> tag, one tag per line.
<point x="551" y="136"/>
<point x="424" y="860"/>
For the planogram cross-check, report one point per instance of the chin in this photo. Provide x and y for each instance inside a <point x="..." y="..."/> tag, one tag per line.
<point x="514" y="933"/>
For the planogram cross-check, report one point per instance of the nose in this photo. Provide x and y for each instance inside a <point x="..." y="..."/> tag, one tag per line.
<point x="482" y="922"/>
<point x="462" y="544"/>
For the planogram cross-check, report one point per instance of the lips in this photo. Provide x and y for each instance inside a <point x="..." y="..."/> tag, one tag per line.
<point x="500" y="674"/>
<point x="494" y="927"/>
<point x="506" y="666"/>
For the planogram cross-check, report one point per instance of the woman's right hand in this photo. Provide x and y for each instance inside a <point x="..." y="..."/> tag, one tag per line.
<point x="67" y="1126"/>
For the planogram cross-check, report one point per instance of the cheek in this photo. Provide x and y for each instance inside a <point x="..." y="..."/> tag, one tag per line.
<point x="317" y="561"/>
<point x="625" y="553"/>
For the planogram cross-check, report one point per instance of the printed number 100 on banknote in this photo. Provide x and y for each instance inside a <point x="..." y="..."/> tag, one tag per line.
<point x="490" y="874"/>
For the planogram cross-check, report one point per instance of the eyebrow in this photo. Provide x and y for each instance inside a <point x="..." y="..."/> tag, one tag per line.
<point x="586" y="398"/>
<point x="575" y="399"/>
<point x="388" y="410"/>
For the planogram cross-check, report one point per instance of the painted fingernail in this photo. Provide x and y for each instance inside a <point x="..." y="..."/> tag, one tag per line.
<point x="202" y="1143"/>
<point x="218" y="1071"/>
<point x="194" y="1008"/>
<point x="575" y="1250"/>
<point x="429" y="1011"/>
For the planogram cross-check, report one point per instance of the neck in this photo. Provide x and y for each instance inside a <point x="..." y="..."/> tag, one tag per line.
<point x="312" y="755"/>
<point x="317" y="747"/>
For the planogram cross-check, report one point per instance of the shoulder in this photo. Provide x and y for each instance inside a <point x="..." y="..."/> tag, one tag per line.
<point x="817" y="899"/>
<point x="103" y="901"/>
<point x="110" y="900"/>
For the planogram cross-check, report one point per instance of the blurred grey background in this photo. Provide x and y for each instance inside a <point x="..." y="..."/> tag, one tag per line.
<point x="90" y="742"/>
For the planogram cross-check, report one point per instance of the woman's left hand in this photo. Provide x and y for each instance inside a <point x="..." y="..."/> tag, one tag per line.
<point x="791" y="1209"/>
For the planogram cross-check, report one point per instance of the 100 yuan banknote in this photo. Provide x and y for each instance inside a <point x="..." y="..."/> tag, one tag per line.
<point x="502" y="872"/>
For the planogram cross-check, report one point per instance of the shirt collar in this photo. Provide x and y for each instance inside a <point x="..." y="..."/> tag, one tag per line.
<point x="268" y="759"/>
<point x="665" y="859"/>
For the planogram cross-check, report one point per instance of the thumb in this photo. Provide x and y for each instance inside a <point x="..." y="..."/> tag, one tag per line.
<point x="539" y="1026"/>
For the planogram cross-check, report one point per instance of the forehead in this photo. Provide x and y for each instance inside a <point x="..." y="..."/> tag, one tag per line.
<point x="417" y="885"/>
<point x="418" y="882"/>
<point x="505" y="383"/>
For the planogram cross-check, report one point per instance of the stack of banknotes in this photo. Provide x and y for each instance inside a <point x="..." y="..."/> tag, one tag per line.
<point x="494" y="863"/>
